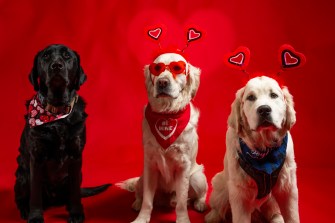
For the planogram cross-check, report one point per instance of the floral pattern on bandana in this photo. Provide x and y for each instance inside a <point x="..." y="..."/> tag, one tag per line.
<point x="37" y="115"/>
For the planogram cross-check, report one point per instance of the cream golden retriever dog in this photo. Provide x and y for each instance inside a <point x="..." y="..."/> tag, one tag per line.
<point x="259" y="167"/>
<point x="171" y="174"/>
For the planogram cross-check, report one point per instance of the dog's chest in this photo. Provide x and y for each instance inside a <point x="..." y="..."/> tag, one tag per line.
<point x="55" y="142"/>
<point x="168" y="163"/>
<point x="55" y="171"/>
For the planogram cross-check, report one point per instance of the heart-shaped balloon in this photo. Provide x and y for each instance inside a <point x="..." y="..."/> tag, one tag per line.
<point x="239" y="59"/>
<point x="290" y="58"/>
<point x="193" y="34"/>
<point x="155" y="33"/>
<point x="207" y="55"/>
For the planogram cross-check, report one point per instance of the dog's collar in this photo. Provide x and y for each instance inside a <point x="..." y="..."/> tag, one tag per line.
<point x="263" y="167"/>
<point x="39" y="114"/>
<point x="166" y="127"/>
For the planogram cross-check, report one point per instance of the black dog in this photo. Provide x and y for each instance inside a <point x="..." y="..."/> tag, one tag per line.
<point x="50" y="160"/>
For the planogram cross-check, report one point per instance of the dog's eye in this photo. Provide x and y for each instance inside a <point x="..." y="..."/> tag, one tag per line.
<point x="251" y="97"/>
<point x="46" y="56"/>
<point x="273" y="95"/>
<point x="66" y="55"/>
<point x="156" y="68"/>
<point x="177" y="67"/>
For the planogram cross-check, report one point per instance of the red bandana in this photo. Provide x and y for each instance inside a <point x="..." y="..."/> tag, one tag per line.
<point x="166" y="127"/>
<point x="38" y="115"/>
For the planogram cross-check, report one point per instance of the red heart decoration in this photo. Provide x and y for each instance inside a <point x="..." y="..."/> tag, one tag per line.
<point x="155" y="33"/>
<point x="193" y="34"/>
<point x="33" y="113"/>
<point x="166" y="127"/>
<point x="175" y="32"/>
<point x="290" y="58"/>
<point x="239" y="59"/>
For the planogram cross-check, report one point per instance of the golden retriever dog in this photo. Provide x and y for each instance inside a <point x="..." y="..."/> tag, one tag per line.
<point x="259" y="167"/>
<point x="171" y="174"/>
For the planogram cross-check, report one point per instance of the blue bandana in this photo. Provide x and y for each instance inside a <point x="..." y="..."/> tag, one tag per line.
<point x="263" y="167"/>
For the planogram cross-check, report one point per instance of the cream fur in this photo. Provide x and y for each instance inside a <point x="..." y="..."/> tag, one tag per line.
<point x="171" y="176"/>
<point x="233" y="189"/>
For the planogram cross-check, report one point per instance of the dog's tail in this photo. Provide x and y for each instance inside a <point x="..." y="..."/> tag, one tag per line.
<point x="129" y="184"/>
<point x="91" y="191"/>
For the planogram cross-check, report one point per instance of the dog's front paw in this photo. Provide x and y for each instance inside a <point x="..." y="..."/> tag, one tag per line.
<point x="39" y="219"/>
<point x="76" y="218"/>
<point x="36" y="216"/>
<point x="141" y="220"/>
<point x="24" y="213"/>
<point x="200" y="205"/>
<point x="277" y="218"/>
<point x="183" y="219"/>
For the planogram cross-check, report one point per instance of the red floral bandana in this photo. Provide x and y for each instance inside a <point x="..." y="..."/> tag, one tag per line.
<point x="38" y="115"/>
<point x="166" y="127"/>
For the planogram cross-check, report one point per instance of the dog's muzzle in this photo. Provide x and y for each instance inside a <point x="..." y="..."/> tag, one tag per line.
<point x="162" y="84"/>
<point x="163" y="87"/>
<point x="264" y="114"/>
<point x="264" y="111"/>
<point x="56" y="66"/>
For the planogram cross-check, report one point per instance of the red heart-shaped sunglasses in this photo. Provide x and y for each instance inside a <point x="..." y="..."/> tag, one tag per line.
<point x="174" y="67"/>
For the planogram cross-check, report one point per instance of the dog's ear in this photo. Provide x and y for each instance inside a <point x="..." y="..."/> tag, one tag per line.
<point x="147" y="76"/>
<point x="34" y="74"/>
<point x="235" y="118"/>
<point x="290" y="112"/>
<point x="194" y="79"/>
<point x="80" y="75"/>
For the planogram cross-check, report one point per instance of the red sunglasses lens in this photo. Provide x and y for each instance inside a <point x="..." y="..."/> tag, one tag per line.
<point x="177" y="67"/>
<point x="156" y="68"/>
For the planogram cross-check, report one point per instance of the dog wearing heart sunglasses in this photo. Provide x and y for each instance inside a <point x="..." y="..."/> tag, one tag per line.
<point x="171" y="175"/>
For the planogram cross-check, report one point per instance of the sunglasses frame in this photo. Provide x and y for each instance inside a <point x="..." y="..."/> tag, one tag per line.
<point x="170" y="67"/>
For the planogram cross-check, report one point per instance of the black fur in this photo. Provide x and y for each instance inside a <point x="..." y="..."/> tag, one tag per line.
<point x="50" y="159"/>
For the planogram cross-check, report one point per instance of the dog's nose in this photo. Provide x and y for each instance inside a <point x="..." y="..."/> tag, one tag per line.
<point x="163" y="83"/>
<point x="57" y="65"/>
<point x="264" y="110"/>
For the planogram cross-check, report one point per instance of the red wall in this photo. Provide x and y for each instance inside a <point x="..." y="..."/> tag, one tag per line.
<point x="109" y="37"/>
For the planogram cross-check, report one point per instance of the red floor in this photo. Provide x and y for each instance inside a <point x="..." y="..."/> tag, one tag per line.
<point x="316" y="202"/>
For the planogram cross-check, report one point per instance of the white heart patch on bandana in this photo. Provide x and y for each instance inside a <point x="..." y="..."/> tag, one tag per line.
<point x="166" y="127"/>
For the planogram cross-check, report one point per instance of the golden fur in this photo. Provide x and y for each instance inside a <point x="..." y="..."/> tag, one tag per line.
<point x="233" y="189"/>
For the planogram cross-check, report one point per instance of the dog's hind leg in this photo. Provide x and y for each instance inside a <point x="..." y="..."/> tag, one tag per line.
<point x="198" y="189"/>
<point x="138" y="195"/>
<point x="219" y="199"/>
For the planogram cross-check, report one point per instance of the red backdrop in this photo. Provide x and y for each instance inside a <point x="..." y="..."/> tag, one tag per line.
<point x="109" y="37"/>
